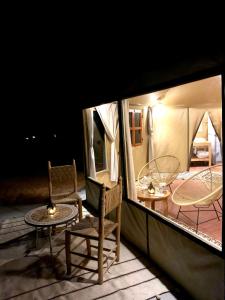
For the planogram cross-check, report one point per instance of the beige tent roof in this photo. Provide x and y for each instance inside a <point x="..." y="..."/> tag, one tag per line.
<point x="201" y="93"/>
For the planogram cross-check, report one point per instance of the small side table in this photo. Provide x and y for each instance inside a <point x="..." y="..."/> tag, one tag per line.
<point x="38" y="217"/>
<point x="150" y="199"/>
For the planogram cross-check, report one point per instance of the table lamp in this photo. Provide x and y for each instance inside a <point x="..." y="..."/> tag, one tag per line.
<point x="51" y="208"/>
<point x="151" y="188"/>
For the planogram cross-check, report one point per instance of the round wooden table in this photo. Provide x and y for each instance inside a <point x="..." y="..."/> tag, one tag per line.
<point x="150" y="199"/>
<point x="39" y="217"/>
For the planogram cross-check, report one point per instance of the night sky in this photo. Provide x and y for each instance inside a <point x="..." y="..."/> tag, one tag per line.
<point x="39" y="122"/>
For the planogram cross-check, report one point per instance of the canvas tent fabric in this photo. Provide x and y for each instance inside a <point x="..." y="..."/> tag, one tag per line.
<point x="89" y="143"/>
<point x="175" y="129"/>
<point x="130" y="178"/>
<point x="150" y="133"/>
<point x="109" y="117"/>
<point x="170" y="133"/>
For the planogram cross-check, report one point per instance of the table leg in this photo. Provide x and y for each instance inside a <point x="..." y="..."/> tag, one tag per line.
<point x="148" y="204"/>
<point x="36" y="240"/>
<point x="153" y="205"/>
<point x="165" y="203"/>
<point x="50" y="238"/>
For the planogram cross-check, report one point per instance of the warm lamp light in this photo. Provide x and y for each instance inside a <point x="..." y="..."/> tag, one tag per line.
<point x="151" y="188"/>
<point x="51" y="208"/>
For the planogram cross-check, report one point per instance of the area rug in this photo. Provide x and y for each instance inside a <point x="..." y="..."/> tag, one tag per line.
<point x="12" y="229"/>
<point x="30" y="273"/>
<point x="203" y="236"/>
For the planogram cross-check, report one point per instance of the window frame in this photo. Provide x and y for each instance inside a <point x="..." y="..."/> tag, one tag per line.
<point x="134" y="129"/>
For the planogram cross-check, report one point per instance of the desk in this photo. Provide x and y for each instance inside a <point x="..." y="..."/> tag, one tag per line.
<point x="150" y="199"/>
<point x="38" y="217"/>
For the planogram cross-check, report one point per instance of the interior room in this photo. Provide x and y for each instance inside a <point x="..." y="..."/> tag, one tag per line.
<point x="184" y="121"/>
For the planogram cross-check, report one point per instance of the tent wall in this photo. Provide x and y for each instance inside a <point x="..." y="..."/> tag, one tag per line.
<point x="174" y="129"/>
<point x="170" y="126"/>
<point x="194" y="266"/>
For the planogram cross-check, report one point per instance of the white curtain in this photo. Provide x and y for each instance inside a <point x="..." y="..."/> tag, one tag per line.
<point x="215" y="115"/>
<point x="150" y="133"/>
<point x="213" y="139"/>
<point x="195" y="117"/>
<point x="130" y="174"/>
<point x="109" y="117"/>
<point x="90" y="137"/>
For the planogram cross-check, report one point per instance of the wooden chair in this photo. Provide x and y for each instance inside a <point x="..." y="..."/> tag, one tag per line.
<point x="96" y="231"/>
<point x="63" y="185"/>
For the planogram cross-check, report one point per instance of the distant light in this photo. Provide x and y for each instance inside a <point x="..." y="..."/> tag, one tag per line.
<point x="27" y="138"/>
<point x="33" y="137"/>
<point x="54" y="135"/>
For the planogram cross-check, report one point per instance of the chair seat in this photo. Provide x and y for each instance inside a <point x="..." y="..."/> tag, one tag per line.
<point x="88" y="227"/>
<point x="66" y="198"/>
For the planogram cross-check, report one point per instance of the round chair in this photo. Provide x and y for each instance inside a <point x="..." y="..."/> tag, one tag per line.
<point x="201" y="190"/>
<point x="161" y="171"/>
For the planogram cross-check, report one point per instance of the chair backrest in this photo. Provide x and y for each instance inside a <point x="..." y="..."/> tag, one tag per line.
<point x="62" y="178"/>
<point x="202" y="188"/>
<point x="162" y="169"/>
<point x="109" y="199"/>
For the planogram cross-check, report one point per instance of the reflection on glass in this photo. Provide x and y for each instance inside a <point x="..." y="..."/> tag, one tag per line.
<point x="138" y="136"/>
<point x="130" y="118"/>
<point x="137" y="119"/>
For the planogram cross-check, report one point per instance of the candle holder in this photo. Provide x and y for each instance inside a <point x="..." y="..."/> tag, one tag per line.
<point x="151" y="188"/>
<point x="51" y="208"/>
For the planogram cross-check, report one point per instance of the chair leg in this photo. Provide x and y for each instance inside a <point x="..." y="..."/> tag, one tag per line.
<point x="88" y="243"/>
<point x="68" y="254"/>
<point x="216" y="212"/>
<point x="170" y="189"/>
<point x="117" y="244"/>
<point x="197" y="221"/>
<point x="100" y="262"/>
<point x="80" y="209"/>
<point x="218" y="201"/>
<point x="178" y="212"/>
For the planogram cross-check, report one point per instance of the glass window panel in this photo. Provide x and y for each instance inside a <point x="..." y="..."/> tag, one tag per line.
<point x="137" y="119"/>
<point x="130" y="118"/>
<point x="137" y="136"/>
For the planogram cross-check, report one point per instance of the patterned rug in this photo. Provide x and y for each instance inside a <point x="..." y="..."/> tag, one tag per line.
<point x="203" y="236"/>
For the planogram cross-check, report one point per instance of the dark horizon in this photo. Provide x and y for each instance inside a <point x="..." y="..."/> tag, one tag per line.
<point x="31" y="137"/>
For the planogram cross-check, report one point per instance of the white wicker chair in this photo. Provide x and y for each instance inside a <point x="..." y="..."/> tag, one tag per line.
<point x="200" y="190"/>
<point x="161" y="170"/>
